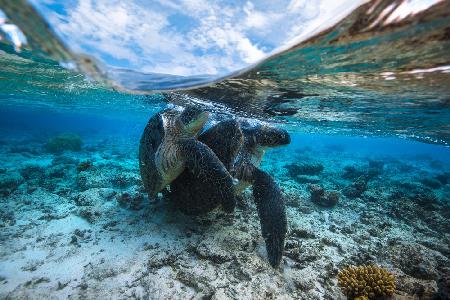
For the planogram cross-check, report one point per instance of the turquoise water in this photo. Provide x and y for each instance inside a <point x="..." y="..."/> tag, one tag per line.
<point x="368" y="115"/>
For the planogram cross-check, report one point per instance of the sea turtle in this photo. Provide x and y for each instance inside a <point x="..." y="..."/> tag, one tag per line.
<point x="240" y="146"/>
<point x="168" y="146"/>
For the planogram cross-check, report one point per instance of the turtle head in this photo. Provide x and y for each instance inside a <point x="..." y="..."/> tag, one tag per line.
<point x="269" y="136"/>
<point x="192" y="120"/>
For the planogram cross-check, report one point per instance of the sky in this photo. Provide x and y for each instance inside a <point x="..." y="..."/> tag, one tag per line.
<point x="188" y="37"/>
<point x="185" y="37"/>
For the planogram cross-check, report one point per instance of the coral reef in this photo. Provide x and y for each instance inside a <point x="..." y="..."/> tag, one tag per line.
<point x="366" y="282"/>
<point x="303" y="168"/>
<point x="7" y="218"/>
<point x="356" y="189"/>
<point x="84" y="166"/>
<point x="414" y="260"/>
<point x="352" y="172"/>
<point x="373" y="169"/>
<point x="32" y="173"/>
<point x="132" y="200"/>
<point x="64" y="142"/>
<point x="322" y="197"/>
<point x="443" y="178"/>
<point x="99" y="224"/>
<point x="64" y="160"/>
<point x="431" y="183"/>
<point x="9" y="182"/>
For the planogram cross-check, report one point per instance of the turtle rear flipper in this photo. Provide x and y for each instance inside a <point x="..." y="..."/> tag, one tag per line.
<point x="272" y="214"/>
<point x="191" y="197"/>
<point x="207" y="168"/>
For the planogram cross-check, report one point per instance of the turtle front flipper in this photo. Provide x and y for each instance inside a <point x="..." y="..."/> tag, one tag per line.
<point x="272" y="214"/>
<point x="225" y="139"/>
<point x="207" y="168"/>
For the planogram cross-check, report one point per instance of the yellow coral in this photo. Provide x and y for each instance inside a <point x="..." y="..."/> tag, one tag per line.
<point x="366" y="282"/>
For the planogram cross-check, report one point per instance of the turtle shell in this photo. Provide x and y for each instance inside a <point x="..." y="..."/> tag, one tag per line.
<point x="152" y="137"/>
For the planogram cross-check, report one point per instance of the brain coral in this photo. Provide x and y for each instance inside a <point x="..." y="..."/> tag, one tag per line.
<point x="366" y="282"/>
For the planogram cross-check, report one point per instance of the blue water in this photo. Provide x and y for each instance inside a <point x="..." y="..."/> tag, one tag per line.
<point x="404" y="209"/>
<point x="20" y="120"/>
<point x="368" y="115"/>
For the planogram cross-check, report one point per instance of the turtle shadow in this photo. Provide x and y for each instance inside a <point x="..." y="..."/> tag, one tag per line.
<point x="165" y="213"/>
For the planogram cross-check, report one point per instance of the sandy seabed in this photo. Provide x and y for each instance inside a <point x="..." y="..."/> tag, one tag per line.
<point x="78" y="225"/>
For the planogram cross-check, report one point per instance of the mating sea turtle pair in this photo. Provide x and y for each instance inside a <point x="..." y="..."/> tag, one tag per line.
<point x="200" y="170"/>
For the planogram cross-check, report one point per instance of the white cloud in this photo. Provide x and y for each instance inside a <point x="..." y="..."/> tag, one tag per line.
<point x="140" y="36"/>
<point x="224" y="36"/>
<point x="249" y="52"/>
<point x="254" y="18"/>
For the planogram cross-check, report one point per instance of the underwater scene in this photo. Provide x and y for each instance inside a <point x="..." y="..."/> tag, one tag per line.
<point x="319" y="170"/>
